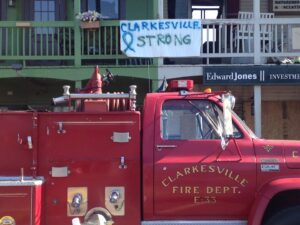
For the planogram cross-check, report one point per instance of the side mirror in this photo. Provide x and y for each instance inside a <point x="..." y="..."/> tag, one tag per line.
<point x="228" y="104"/>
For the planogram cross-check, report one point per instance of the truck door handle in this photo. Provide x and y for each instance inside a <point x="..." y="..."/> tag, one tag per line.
<point x="160" y="147"/>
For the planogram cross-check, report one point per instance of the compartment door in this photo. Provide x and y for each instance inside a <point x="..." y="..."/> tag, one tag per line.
<point x="17" y="145"/>
<point x="20" y="201"/>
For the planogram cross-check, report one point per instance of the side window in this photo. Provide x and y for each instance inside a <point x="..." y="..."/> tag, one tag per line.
<point x="44" y="10"/>
<point x="191" y="120"/>
<point x="108" y="8"/>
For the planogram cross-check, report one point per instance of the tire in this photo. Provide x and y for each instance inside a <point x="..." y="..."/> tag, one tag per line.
<point x="289" y="216"/>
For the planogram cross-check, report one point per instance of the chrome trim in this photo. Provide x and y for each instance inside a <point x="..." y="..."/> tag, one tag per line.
<point x="13" y="195"/>
<point x="161" y="147"/>
<point x="95" y="122"/>
<point x="21" y="181"/>
<point x="31" y="205"/>
<point x="166" y="146"/>
<point x="67" y="97"/>
<point x="194" y="222"/>
<point x="62" y="171"/>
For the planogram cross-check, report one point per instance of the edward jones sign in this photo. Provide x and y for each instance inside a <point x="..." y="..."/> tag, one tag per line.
<point x="255" y="75"/>
<point x="286" y="5"/>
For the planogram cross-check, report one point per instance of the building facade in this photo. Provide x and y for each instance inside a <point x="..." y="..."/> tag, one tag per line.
<point x="43" y="46"/>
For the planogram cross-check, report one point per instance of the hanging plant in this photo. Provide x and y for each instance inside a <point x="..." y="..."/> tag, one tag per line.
<point x="89" y="20"/>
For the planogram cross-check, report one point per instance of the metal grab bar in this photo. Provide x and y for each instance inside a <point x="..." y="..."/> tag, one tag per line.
<point x="160" y="147"/>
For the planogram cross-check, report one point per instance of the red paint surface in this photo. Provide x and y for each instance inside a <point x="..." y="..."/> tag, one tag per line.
<point x="197" y="180"/>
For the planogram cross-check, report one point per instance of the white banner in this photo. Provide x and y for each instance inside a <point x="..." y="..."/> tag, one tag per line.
<point x="160" y="38"/>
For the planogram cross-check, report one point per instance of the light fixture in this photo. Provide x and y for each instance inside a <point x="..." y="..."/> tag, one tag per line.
<point x="17" y="67"/>
<point x="11" y="3"/>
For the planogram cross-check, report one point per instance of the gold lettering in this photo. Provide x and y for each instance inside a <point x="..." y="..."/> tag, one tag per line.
<point x="174" y="189"/>
<point x="187" y="171"/>
<point x="218" y="190"/>
<point x="178" y="174"/>
<point x="295" y="154"/>
<point x="188" y="190"/>
<point x="244" y="182"/>
<point x="196" y="190"/>
<point x="205" y="200"/>
<point x="209" y="190"/>
<point x="235" y="190"/>
<point x="230" y="174"/>
<point x="185" y="190"/>
<point x="226" y="189"/>
<point x="165" y="183"/>
<point x="221" y="190"/>
<point x="203" y="169"/>
<point x="226" y="172"/>
<point x="211" y="169"/>
<point x="237" y="178"/>
<point x="220" y="171"/>
<point x="171" y="179"/>
<point x="196" y="199"/>
<point x="195" y="169"/>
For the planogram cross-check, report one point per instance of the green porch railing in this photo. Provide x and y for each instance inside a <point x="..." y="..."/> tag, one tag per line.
<point x="30" y="41"/>
<point x="24" y="40"/>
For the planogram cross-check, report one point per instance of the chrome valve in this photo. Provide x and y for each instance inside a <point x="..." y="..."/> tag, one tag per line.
<point x="114" y="197"/>
<point x="76" y="201"/>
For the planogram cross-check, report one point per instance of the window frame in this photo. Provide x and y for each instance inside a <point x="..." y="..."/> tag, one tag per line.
<point x="46" y="11"/>
<point x="97" y="3"/>
<point x="212" y="127"/>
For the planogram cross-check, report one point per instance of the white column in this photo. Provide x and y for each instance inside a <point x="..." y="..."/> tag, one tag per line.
<point x="256" y="20"/>
<point x="160" y="9"/>
<point x="257" y="61"/>
<point x="257" y="110"/>
<point x="160" y="61"/>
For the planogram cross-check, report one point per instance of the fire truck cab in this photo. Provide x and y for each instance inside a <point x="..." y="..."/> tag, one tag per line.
<point x="188" y="159"/>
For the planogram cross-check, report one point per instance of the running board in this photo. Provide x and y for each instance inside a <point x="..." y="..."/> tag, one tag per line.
<point x="195" y="222"/>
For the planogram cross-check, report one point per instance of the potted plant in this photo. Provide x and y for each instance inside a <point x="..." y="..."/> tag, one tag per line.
<point x="89" y="20"/>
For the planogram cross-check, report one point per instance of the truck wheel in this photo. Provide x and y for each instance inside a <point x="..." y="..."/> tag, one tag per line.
<point x="289" y="216"/>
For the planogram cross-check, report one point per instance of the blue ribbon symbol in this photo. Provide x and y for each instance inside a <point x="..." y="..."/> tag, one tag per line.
<point x="128" y="41"/>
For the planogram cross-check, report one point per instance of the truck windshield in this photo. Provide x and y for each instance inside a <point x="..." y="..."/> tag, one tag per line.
<point x="245" y="126"/>
<point x="192" y="119"/>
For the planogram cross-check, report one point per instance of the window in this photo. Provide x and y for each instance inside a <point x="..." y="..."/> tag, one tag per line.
<point x="2" y="11"/>
<point x="178" y="9"/>
<point x="206" y="12"/>
<point x="109" y="9"/>
<point x="192" y="119"/>
<point x="44" y="10"/>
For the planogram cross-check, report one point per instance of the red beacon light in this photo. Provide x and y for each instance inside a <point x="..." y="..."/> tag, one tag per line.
<point x="178" y="85"/>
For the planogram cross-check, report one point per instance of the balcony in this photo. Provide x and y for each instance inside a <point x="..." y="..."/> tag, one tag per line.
<point x="61" y="43"/>
<point x="225" y="41"/>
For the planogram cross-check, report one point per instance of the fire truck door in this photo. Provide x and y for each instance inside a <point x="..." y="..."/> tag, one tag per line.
<point x="193" y="176"/>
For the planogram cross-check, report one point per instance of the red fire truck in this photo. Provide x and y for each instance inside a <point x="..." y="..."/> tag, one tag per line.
<point x="187" y="160"/>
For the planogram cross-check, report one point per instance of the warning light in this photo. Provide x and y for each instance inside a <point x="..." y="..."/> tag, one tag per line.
<point x="207" y="90"/>
<point x="177" y="85"/>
